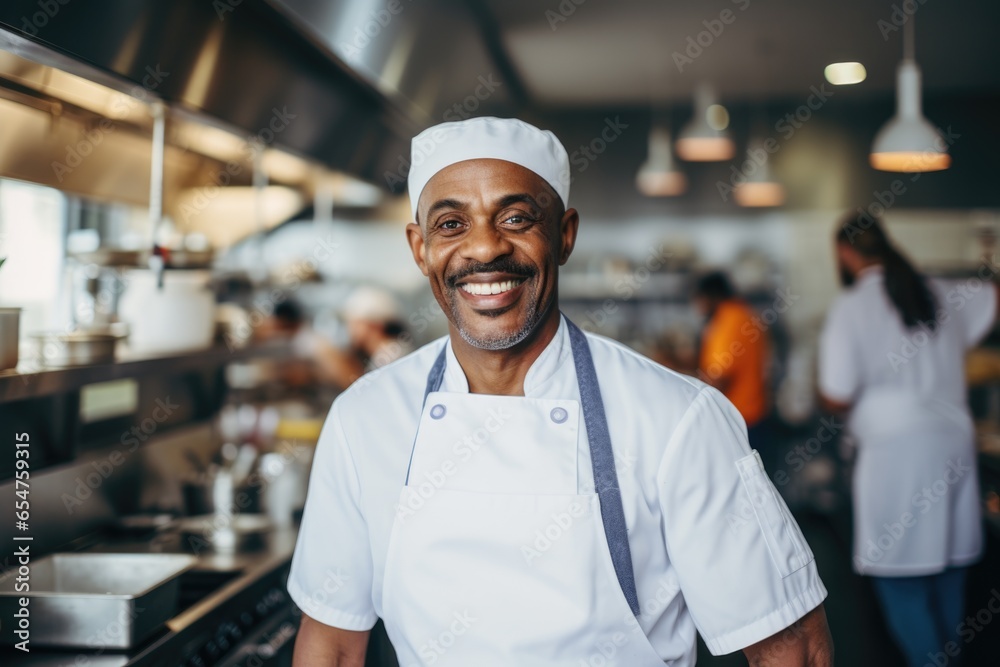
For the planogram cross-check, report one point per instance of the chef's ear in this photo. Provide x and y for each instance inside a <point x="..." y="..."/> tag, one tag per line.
<point x="568" y="227"/>
<point x="415" y="237"/>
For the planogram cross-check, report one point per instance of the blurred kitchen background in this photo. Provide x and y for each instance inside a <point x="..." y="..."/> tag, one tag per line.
<point x="193" y="192"/>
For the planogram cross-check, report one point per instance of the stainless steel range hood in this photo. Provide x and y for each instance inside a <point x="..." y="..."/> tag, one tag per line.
<point x="241" y="62"/>
<point x="441" y="60"/>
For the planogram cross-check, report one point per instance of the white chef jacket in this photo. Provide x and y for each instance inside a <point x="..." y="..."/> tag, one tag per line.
<point x="912" y="423"/>
<point x="713" y="545"/>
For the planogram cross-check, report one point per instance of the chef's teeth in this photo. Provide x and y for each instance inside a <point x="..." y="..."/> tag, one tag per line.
<point x="491" y="288"/>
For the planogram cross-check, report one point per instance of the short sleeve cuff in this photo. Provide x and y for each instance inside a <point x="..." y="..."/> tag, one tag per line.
<point x="335" y="618"/>
<point x="768" y="625"/>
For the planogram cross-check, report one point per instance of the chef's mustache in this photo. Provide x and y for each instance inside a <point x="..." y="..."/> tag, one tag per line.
<point x="504" y="265"/>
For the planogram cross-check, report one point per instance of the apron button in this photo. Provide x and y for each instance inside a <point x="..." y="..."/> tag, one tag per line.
<point x="437" y="411"/>
<point x="559" y="415"/>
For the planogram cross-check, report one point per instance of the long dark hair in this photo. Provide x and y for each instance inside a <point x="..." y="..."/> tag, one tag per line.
<point x="906" y="287"/>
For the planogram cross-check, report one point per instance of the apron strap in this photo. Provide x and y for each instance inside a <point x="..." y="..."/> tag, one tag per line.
<point x="434" y="379"/>
<point x="436" y="374"/>
<point x="602" y="458"/>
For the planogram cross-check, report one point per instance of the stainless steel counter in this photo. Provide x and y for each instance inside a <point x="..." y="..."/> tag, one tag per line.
<point x="253" y="585"/>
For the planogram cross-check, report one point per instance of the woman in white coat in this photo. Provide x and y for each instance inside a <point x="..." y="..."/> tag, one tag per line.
<point x="892" y="357"/>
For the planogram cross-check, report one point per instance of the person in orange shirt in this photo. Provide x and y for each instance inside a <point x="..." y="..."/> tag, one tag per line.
<point x="734" y="353"/>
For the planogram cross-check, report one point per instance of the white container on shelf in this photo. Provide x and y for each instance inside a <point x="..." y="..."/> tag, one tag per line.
<point x="177" y="317"/>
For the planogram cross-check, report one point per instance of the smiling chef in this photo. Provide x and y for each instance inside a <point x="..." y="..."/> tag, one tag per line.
<point x="522" y="493"/>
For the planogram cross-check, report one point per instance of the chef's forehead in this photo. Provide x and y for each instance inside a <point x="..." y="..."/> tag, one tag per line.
<point x="440" y="147"/>
<point x="504" y="180"/>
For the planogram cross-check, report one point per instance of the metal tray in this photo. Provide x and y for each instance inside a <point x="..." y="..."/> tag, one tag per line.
<point x="96" y="601"/>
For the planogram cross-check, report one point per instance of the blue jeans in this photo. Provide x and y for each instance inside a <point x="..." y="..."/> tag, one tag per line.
<point x="923" y="615"/>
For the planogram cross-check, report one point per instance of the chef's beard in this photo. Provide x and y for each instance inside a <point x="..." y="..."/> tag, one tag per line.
<point x="500" y="340"/>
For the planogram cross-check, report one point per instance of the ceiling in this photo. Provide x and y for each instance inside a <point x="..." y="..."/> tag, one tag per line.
<point x="559" y="54"/>
<point x="611" y="57"/>
<point x="362" y="76"/>
<point x="615" y="52"/>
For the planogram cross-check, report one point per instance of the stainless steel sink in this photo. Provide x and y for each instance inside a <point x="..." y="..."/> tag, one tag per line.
<point x="94" y="600"/>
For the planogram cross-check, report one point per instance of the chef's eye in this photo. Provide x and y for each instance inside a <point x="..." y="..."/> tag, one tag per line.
<point x="516" y="220"/>
<point x="449" y="225"/>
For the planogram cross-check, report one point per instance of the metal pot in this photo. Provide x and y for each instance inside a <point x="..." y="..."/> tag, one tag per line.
<point x="78" y="348"/>
<point x="9" y="332"/>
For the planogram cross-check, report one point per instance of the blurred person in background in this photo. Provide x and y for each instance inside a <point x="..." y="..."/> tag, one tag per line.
<point x="287" y="322"/>
<point x="376" y="337"/>
<point x="375" y="327"/>
<point x="892" y="359"/>
<point x="734" y="355"/>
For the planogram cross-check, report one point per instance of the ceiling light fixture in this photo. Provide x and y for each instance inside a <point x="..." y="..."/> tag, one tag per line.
<point x="658" y="176"/>
<point x="760" y="189"/>
<point x="699" y="141"/>
<point x="845" y="74"/>
<point x="908" y="142"/>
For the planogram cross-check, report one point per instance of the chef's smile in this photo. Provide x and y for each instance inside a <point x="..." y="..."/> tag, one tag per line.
<point x="487" y="288"/>
<point x="488" y="293"/>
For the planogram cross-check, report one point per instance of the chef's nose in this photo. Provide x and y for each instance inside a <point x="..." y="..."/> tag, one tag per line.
<point x="485" y="243"/>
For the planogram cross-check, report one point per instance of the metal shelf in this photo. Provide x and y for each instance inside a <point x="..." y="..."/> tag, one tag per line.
<point x="29" y="382"/>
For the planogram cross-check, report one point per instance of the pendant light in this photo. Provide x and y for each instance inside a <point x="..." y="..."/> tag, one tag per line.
<point x="704" y="139"/>
<point x="658" y="176"/>
<point x="908" y="142"/>
<point x="761" y="189"/>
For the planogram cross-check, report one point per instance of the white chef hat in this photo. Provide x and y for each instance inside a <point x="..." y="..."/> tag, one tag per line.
<point x="507" y="139"/>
